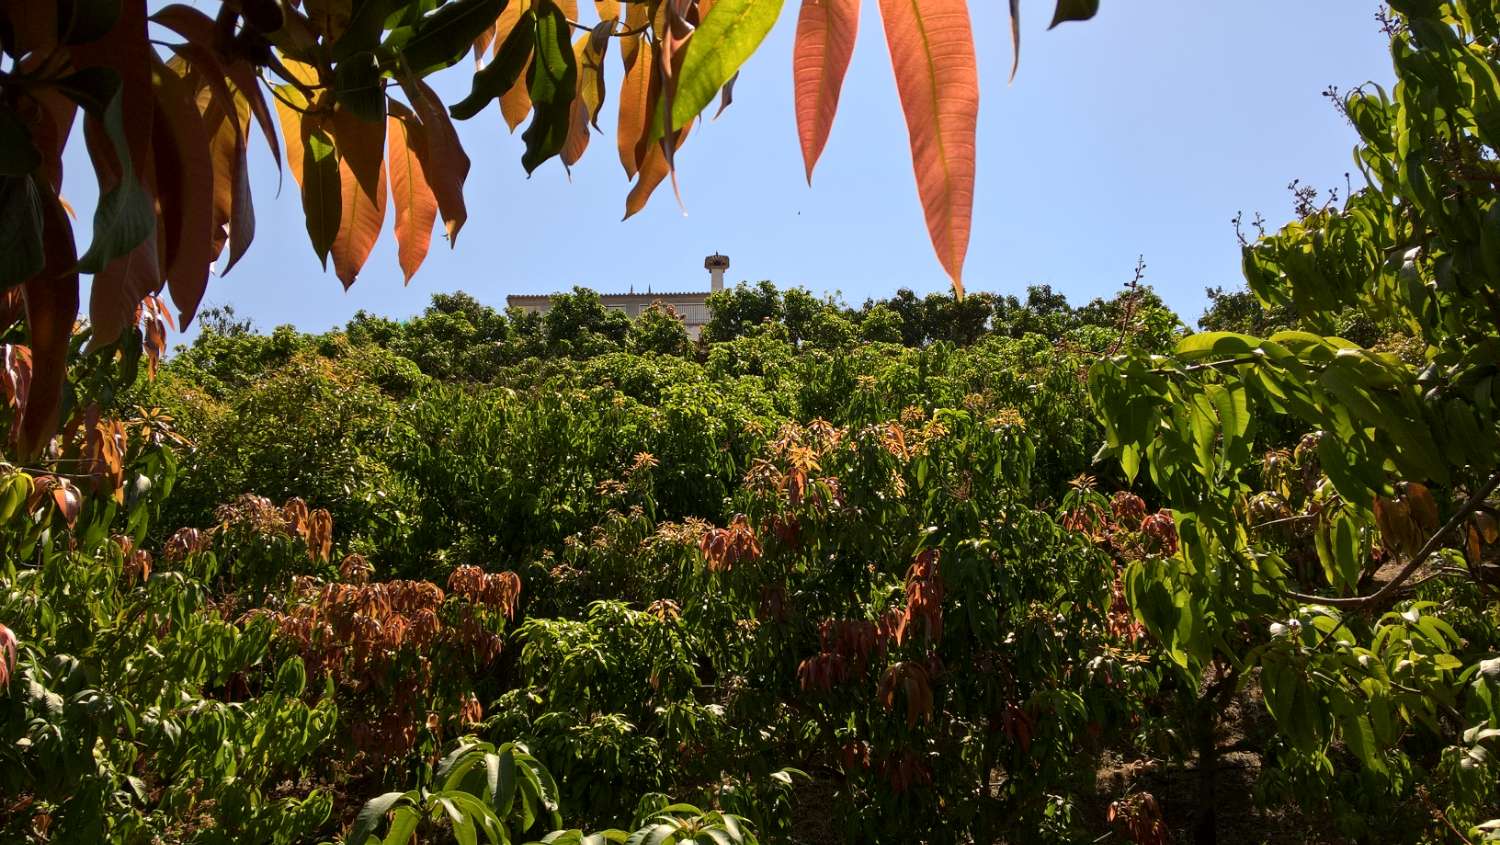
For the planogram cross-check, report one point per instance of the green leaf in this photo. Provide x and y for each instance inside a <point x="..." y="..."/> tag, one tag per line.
<point x="357" y="86"/>
<point x="1074" y="10"/>
<point x="371" y="815"/>
<point x="505" y="795"/>
<point x="403" y="825"/>
<point x="732" y="31"/>
<point x="124" y="217"/>
<point x="321" y="197"/>
<point x="552" y="82"/>
<point x="1215" y="345"/>
<point x="443" y="37"/>
<point x="363" y="33"/>
<point x="21" y="255"/>
<point x="500" y="75"/>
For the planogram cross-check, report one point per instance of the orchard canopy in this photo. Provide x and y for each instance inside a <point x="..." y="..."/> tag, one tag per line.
<point x="172" y="99"/>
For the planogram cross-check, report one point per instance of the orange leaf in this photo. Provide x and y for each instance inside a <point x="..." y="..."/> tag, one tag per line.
<point x="654" y="169"/>
<point x="361" y="152"/>
<point x="415" y="205"/>
<point x="826" y="31"/>
<point x="637" y="92"/>
<point x="515" y="104"/>
<point x="578" y="123"/>
<point x="51" y="307"/>
<point x="932" y="53"/>
<point x="444" y="162"/>
<point x="184" y="178"/>
<point x="608" y="10"/>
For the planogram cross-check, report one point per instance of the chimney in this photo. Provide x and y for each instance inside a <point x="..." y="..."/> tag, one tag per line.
<point x="716" y="264"/>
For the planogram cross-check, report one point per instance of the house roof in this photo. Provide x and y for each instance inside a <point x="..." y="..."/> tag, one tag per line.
<point x="653" y="295"/>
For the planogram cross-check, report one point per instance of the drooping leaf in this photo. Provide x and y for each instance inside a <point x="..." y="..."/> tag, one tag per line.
<point x="730" y="32"/>
<point x="552" y="84"/>
<point x="358" y="87"/>
<point x="412" y="198"/>
<point x="577" y="140"/>
<point x="446" y="165"/>
<point x="637" y="96"/>
<point x="362" y="191"/>
<point x="502" y="72"/>
<point x="826" y="31"/>
<point x="199" y="29"/>
<point x="51" y="299"/>
<point x="313" y="160"/>
<point x="932" y="52"/>
<point x="443" y="37"/>
<point x="654" y="169"/>
<point x="21" y="255"/>
<point x="591" y="87"/>
<point x="184" y="174"/>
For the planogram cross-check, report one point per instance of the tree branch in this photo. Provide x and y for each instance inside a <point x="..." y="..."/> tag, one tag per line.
<point x="1388" y="590"/>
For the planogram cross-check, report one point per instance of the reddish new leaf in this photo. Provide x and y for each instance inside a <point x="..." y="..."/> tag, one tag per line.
<point x="826" y="31"/>
<point x="412" y="197"/>
<point x="445" y="163"/>
<point x="932" y="53"/>
<point x="362" y="191"/>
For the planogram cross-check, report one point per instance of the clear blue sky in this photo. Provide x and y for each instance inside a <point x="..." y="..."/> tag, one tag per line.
<point x="1140" y="132"/>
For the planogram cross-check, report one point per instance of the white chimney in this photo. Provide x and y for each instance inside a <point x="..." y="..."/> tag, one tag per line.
<point x="716" y="264"/>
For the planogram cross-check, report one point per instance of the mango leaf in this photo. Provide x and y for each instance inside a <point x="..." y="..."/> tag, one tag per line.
<point x="1073" y="10"/>
<point x="366" y="24"/>
<point x="124" y="216"/>
<point x="20" y="230"/>
<point x="51" y="301"/>
<point x="638" y="92"/>
<point x="18" y="156"/>
<point x="728" y="34"/>
<point x="502" y="72"/>
<point x="932" y="52"/>
<point x="415" y="205"/>
<point x="371" y="815"/>
<point x="184" y="170"/>
<point x="362" y="191"/>
<point x="551" y="83"/>
<point x="358" y="87"/>
<point x="826" y="31"/>
<point x="1215" y="345"/>
<point x="443" y="37"/>
<point x="445" y="163"/>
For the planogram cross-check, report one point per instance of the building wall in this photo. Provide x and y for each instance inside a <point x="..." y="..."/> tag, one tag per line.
<point x="691" y="306"/>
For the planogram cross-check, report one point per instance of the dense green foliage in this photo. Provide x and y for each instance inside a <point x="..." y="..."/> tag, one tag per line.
<point x="995" y="569"/>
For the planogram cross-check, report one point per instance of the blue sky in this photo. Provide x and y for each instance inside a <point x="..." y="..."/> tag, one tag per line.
<point x="1141" y="132"/>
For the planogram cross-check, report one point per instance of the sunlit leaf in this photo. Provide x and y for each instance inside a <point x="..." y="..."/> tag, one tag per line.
<point x="552" y="83"/>
<point x="826" y="31"/>
<point x="362" y="191"/>
<point x="412" y="198"/>
<point x="932" y="53"/>
<point x="730" y="32"/>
